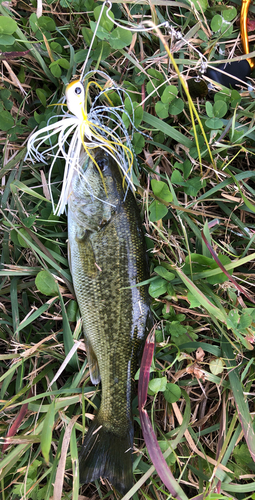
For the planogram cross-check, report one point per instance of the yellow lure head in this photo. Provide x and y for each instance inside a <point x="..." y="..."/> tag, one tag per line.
<point x="75" y="99"/>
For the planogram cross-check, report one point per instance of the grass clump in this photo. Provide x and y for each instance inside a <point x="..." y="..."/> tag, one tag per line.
<point x="195" y="186"/>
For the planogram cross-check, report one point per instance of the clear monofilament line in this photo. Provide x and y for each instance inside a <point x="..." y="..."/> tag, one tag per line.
<point x="91" y="43"/>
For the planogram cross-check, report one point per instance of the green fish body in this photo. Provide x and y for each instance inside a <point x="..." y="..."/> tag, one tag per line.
<point x="107" y="259"/>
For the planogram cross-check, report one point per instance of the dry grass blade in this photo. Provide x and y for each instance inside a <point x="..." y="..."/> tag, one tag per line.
<point x="58" y="486"/>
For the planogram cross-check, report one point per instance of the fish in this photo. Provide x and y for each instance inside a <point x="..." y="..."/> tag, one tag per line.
<point x="108" y="260"/>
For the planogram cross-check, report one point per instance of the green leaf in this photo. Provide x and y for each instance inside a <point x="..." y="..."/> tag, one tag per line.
<point x="176" y="330"/>
<point x="46" y="283"/>
<point x="221" y="277"/>
<point x="105" y="22"/>
<point x="102" y="50"/>
<point x="55" y="69"/>
<point x="226" y="28"/>
<point x="176" y="178"/>
<point x="172" y="393"/>
<point x="132" y="107"/>
<point x="138" y="114"/>
<point x="158" y="384"/>
<point x="102" y="33"/>
<point x="63" y="63"/>
<point x="33" y="21"/>
<point x="41" y="96"/>
<point x="87" y="35"/>
<point x="214" y="123"/>
<point x="200" y="5"/>
<point x="72" y="309"/>
<point x="29" y="221"/>
<point x="5" y="97"/>
<point x="187" y="168"/>
<point x="176" y="106"/>
<point x="216" y="366"/>
<point x="193" y="186"/>
<point x="32" y="471"/>
<point x="21" y="240"/>
<point x="162" y="109"/>
<point x="7" y="40"/>
<point x="157" y="287"/>
<point x="233" y="319"/>
<point x="159" y="336"/>
<point x="220" y="108"/>
<point x="235" y="98"/>
<point x="46" y="434"/>
<point x="46" y="23"/>
<point x="6" y="121"/>
<point x="7" y="25"/>
<point x="80" y="55"/>
<point x="245" y="322"/>
<point x="242" y="454"/>
<point x="42" y="492"/>
<point x="229" y="14"/>
<point x="216" y="22"/>
<point x="161" y="190"/>
<point x="209" y="109"/>
<point x="21" y="488"/>
<point x="171" y="459"/>
<point x="156" y="74"/>
<point x="56" y="47"/>
<point x="164" y="273"/>
<point x="138" y="142"/>
<point x="169" y="94"/>
<point x="157" y="211"/>
<point x="120" y="38"/>
<point x="151" y="87"/>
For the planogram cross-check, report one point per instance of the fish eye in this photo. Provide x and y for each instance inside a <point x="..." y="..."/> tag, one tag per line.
<point x="102" y="163"/>
<point x="77" y="90"/>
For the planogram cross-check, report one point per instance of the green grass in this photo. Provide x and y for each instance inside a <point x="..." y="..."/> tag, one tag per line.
<point x="201" y="394"/>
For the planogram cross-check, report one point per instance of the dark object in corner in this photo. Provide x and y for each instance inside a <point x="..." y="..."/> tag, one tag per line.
<point x="240" y="70"/>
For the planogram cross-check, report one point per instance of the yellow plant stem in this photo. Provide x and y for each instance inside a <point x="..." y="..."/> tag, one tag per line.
<point x="192" y="108"/>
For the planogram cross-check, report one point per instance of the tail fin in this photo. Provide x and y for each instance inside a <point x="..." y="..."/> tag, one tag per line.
<point x="107" y="455"/>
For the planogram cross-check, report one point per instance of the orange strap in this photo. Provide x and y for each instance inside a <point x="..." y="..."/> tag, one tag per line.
<point x="244" y="31"/>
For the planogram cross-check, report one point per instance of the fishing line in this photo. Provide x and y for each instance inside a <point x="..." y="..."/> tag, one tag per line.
<point x="87" y="124"/>
<point x="92" y="41"/>
<point x="139" y="28"/>
<point x="234" y="69"/>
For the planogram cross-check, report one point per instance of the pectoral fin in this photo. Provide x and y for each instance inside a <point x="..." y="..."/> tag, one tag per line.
<point x="93" y="364"/>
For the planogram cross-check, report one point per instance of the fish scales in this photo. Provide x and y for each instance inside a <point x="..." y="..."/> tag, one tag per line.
<point x="107" y="259"/>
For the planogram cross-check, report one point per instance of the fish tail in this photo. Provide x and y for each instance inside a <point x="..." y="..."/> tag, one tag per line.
<point x="106" y="454"/>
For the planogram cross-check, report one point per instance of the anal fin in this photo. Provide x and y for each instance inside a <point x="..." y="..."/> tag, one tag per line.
<point x="93" y="364"/>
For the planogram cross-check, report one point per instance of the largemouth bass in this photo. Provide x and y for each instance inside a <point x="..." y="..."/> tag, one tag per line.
<point x="107" y="260"/>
